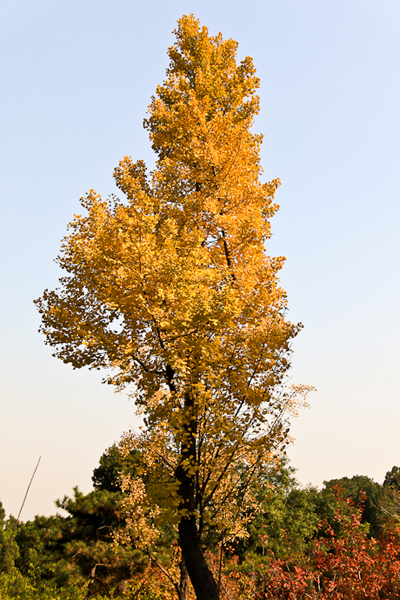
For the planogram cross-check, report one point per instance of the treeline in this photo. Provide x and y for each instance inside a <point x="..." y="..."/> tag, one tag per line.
<point x="341" y="541"/>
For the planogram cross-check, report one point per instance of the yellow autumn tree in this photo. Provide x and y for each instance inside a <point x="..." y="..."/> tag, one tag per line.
<point x="172" y="290"/>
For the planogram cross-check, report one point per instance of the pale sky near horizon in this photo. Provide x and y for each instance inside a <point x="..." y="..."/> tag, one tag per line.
<point x="76" y="80"/>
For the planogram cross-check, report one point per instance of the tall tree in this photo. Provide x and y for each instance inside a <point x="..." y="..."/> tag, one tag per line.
<point x="172" y="289"/>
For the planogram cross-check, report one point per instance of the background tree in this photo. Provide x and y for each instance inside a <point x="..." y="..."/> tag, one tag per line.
<point x="77" y="550"/>
<point x="390" y="501"/>
<point x="172" y="289"/>
<point x="107" y="475"/>
<point x="358" y="488"/>
<point x="291" y="546"/>
<point x="346" y="564"/>
<point x="7" y="557"/>
<point x="392" y="478"/>
<point x="287" y="518"/>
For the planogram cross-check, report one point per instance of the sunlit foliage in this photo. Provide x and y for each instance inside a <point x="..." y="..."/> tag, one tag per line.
<point x="172" y="289"/>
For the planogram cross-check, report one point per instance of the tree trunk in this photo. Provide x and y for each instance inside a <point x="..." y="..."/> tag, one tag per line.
<point x="184" y="582"/>
<point x="189" y="540"/>
<point x="200" y="575"/>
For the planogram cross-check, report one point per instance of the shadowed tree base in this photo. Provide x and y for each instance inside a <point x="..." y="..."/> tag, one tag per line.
<point x="199" y="572"/>
<point x="184" y="590"/>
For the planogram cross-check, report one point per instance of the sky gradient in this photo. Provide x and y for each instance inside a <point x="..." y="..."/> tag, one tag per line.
<point x="77" y="78"/>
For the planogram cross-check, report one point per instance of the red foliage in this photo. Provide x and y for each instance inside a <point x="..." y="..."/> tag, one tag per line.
<point x="338" y="567"/>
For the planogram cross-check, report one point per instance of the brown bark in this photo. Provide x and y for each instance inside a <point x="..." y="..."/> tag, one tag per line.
<point x="184" y="582"/>
<point x="189" y="539"/>
<point x="200" y="575"/>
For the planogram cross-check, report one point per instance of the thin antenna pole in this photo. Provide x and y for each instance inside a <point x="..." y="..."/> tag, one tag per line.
<point x="19" y="514"/>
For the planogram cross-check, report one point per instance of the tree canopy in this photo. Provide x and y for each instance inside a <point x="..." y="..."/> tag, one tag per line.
<point x="171" y="289"/>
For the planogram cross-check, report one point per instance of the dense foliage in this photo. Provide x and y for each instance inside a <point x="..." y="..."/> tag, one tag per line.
<point x="334" y="543"/>
<point x="171" y="289"/>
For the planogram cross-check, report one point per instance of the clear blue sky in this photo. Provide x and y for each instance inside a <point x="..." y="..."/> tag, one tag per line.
<point x="77" y="77"/>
